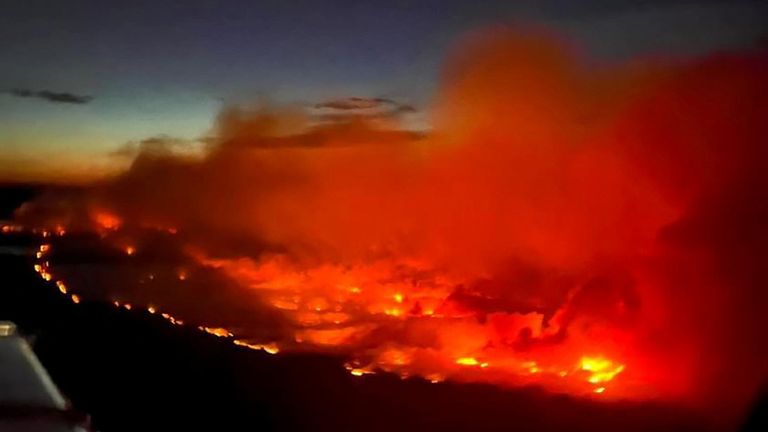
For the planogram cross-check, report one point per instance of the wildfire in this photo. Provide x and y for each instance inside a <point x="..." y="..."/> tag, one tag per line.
<point x="332" y="309"/>
<point x="551" y="247"/>
<point x="342" y="307"/>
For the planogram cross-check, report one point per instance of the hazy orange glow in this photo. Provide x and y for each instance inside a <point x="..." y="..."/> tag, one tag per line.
<point x="107" y="221"/>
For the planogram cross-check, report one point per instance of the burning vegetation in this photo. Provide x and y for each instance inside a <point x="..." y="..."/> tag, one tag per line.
<point x="591" y="230"/>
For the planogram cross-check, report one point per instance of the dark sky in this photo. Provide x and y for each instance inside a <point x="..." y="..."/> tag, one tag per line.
<point x="79" y="78"/>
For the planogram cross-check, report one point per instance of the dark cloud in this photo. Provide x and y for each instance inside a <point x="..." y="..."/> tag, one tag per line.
<point x="51" y="96"/>
<point x="351" y="103"/>
<point x="344" y="109"/>
<point x="360" y="103"/>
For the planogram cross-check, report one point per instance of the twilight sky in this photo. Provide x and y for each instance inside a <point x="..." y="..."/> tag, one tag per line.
<point x="80" y="78"/>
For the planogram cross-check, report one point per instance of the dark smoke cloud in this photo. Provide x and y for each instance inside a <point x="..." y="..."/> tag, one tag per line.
<point x="271" y="128"/>
<point x="355" y="103"/>
<point x="157" y="145"/>
<point x="51" y="96"/>
<point x="346" y="109"/>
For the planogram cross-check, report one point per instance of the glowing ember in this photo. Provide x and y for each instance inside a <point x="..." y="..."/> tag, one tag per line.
<point x="532" y="367"/>
<point x="62" y="287"/>
<point x="600" y="369"/>
<point x="358" y="371"/>
<point x="467" y="361"/>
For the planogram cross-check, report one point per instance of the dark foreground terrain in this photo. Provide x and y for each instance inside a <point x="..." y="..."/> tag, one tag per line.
<point x="132" y="371"/>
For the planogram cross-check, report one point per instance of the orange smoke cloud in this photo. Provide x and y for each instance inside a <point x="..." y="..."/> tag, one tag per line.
<point x="557" y="210"/>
